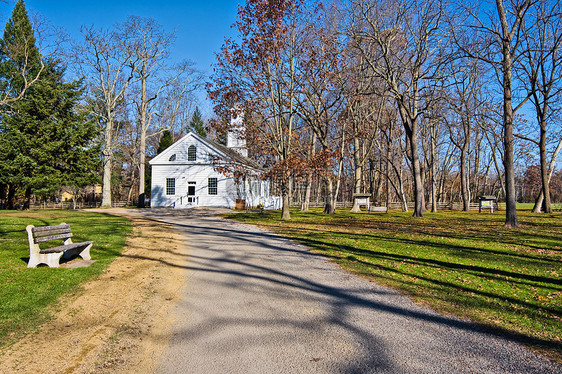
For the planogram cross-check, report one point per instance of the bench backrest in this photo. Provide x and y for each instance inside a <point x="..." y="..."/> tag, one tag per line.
<point x="46" y="233"/>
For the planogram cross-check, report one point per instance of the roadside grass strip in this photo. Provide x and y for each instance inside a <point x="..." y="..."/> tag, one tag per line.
<point x="28" y="297"/>
<point x="460" y="263"/>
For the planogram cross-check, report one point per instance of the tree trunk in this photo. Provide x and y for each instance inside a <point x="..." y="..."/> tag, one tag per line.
<point x="402" y="193"/>
<point x="329" y="208"/>
<point x="477" y="160"/>
<point x="433" y="172"/>
<point x="285" y="213"/>
<point x="142" y="146"/>
<point x="307" y="193"/>
<point x="357" y="173"/>
<point x="510" y="203"/>
<point x="130" y="193"/>
<point x="11" y="196"/>
<point x="338" y="183"/>
<point x="27" y="202"/>
<point x="544" y="169"/>
<point x="388" y="178"/>
<point x="378" y="179"/>
<point x="464" y="181"/>
<point x="537" y="208"/>
<point x="107" y="159"/>
<point x="142" y="170"/>
<point x="417" y="170"/>
<point x="411" y="129"/>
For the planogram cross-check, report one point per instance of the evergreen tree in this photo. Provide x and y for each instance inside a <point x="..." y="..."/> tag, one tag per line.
<point x="45" y="141"/>
<point x="165" y="141"/>
<point x="197" y="124"/>
<point x="20" y="60"/>
<point x="50" y="142"/>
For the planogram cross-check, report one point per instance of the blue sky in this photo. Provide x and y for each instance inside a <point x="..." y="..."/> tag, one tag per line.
<point x="200" y="25"/>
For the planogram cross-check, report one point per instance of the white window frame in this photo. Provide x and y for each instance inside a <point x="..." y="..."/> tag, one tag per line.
<point x="170" y="186"/>
<point x="213" y="190"/>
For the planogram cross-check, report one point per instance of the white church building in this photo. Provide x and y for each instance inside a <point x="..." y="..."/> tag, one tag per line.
<point x="192" y="172"/>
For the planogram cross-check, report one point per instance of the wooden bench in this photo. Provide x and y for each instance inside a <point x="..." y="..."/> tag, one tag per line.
<point x="383" y="209"/>
<point x="51" y="256"/>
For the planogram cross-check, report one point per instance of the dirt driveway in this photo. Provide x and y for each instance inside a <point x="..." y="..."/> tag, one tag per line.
<point x="118" y="322"/>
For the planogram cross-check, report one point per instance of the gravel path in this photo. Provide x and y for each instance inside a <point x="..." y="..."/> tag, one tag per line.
<point x="256" y="302"/>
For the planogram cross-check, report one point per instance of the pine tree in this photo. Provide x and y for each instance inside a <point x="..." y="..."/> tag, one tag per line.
<point x="51" y="142"/>
<point x="197" y="124"/>
<point x="165" y="141"/>
<point x="20" y="63"/>
<point x="45" y="140"/>
<point x="20" y="60"/>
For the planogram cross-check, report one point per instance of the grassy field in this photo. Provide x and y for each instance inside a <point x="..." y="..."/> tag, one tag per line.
<point x="29" y="296"/>
<point x="530" y="206"/>
<point x="463" y="264"/>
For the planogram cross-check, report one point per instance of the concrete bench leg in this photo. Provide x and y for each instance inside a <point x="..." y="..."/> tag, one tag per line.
<point x="85" y="254"/>
<point x="51" y="259"/>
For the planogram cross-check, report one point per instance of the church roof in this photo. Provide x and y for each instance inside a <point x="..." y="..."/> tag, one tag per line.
<point x="224" y="153"/>
<point x="231" y="153"/>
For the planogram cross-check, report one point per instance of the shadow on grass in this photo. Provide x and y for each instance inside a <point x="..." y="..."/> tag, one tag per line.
<point x="469" y="226"/>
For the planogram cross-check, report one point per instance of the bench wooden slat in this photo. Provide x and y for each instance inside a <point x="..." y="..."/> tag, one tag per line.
<point x="50" y="233"/>
<point x="53" y="237"/>
<point x="67" y="247"/>
<point x="48" y="228"/>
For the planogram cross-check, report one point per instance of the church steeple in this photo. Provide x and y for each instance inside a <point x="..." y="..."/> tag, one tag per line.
<point x="236" y="135"/>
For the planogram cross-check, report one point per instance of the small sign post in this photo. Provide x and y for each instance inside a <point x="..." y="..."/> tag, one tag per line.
<point x="486" y="202"/>
<point x="361" y="199"/>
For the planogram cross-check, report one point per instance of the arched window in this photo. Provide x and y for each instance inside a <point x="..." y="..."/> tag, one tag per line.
<point x="192" y="153"/>
<point x="172" y="157"/>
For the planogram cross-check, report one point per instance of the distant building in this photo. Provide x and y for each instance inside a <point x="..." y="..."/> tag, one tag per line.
<point x="88" y="193"/>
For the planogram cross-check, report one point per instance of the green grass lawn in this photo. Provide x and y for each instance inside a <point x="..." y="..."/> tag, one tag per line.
<point x="463" y="264"/>
<point x="28" y="297"/>
<point x="529" y="206"/>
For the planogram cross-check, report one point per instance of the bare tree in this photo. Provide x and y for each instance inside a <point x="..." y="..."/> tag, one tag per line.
<point x="150" y="46"/>
<point x="496" y="39"/>
<point x="540" y="71"/>
<point x="366" y="109"/>
<point x="464" y="99"/>
<point x="431" y="144"/>
<point x="319" y="100"/>
<point x="176" y="106"/>
<point x="258" y="76"/>
<point x="109" y="66"/>
<point x="402" y="42"/>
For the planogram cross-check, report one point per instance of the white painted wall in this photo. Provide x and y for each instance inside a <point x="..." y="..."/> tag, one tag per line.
<point x="226" y="191"/>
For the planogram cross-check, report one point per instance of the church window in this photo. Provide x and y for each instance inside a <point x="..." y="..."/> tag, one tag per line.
<point x="192" y="153"/>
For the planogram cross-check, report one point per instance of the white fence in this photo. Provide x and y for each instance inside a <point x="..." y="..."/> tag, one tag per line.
<point x="396" y="205"/>
<point x="69" y="205"/>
